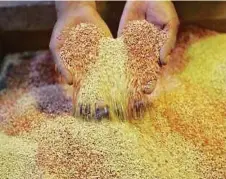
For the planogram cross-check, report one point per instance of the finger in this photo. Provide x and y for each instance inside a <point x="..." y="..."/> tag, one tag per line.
<point x="171" y="28"/>
<point x="82" y="15"/>
<point x="149" y="87"/>
<point x="133" y="10"/>
<point x="62" y="7"/>
<point x="101" y="110"/>
<point x="73" y="18"/>
<point x="102" y="113"/>
<point x="96" y="19"/>
<point x="90" y="15"/>
<point x="55" y="44"/>
<point x="66" y="74"/>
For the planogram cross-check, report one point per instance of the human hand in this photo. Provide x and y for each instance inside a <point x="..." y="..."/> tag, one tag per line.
<point x="69" y="15"/>
<point x="160" y="13"/>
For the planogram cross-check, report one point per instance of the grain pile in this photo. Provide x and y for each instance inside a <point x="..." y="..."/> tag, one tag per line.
<point x="16" y="155"/>
<point x="181" y="137"/>
<point x="127" y="67"/>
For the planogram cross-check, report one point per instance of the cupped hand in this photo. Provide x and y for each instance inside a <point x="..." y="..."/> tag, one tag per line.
<point x="160" y="13"/>
<point x="69" y="15"/>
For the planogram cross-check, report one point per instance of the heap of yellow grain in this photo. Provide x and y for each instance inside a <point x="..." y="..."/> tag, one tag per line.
<point x="181" y="136"/>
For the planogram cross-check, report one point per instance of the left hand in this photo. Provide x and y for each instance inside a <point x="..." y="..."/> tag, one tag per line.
<point x="160" y="13"/>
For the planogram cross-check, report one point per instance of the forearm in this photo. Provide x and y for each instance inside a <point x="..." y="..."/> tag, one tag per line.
<point x="65" y="6"/>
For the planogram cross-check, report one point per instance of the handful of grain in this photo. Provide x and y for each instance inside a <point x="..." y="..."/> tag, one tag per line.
<point x="143" y="41"/>
<point x="80" y="49"/>
<point x="113" y="73"/>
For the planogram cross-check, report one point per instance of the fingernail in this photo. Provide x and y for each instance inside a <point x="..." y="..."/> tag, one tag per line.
<point x="167" y="59"/>
<point x="102" y="113"/>
<point x="164" y="61"/>
<point x="138" y="106"/>
<point x="138" y="109"/>
<point x="149" y="87"/>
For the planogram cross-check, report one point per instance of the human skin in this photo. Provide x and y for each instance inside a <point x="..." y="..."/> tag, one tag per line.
<point x="160" y="13"/>
<point x="69" y="14"/>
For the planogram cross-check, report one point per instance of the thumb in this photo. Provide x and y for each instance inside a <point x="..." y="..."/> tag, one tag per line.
<point x="171" y="28"/>
<point x="133" y="10"/>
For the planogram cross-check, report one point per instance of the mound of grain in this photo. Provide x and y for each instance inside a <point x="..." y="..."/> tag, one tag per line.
<point x="182" y="136"/>
<point x="18" y="158"/>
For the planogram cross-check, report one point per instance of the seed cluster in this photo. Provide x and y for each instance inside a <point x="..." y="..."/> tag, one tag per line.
<point x="128" y="62"/>
<point x="106" y="81"/>
<point x="18" y="158"/>
<point x="79" y="49"/>
<point x="67" y="156"/>
<point x="181" y="136"/>
<point x="39" y="67"/>
<point x="143" y="41"/>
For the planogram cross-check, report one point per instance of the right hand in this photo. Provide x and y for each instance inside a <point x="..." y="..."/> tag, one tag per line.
<point x="69" y="15"/>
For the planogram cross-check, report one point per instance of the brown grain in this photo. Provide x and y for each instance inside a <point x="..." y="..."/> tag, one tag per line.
<point x="182" y="136"/>
<point x="144" y="41"/>
<point x="79" y="50"/>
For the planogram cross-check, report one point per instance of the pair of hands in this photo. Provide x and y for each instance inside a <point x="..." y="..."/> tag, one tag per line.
<point x="70" y="14"/>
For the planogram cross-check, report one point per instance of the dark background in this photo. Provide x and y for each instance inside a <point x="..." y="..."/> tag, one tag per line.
<point x="27" y="26"/>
